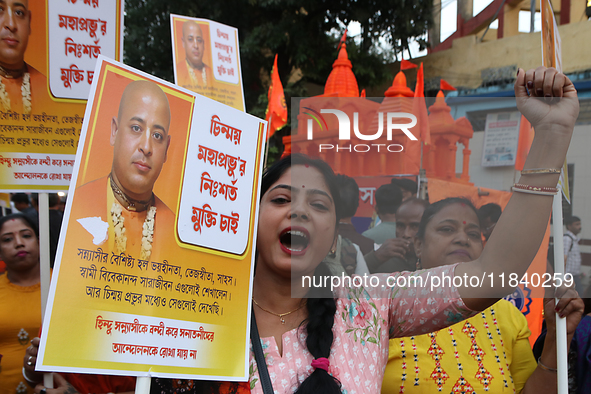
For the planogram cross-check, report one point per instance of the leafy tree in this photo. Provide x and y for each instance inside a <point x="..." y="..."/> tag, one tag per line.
<point x="304" y="33"/>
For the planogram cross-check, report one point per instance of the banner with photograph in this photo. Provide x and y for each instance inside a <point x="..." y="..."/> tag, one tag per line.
<point x="153" y="272"/>
<point x="55" y="48"/>
<point x="501" y="135"/>
<point x="206" y="59"/>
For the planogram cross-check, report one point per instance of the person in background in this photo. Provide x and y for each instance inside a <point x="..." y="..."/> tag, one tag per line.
<point x="21" y="202"/>
<point x="489" y="215"/>
<point x="487" y="352"/>
<point x="20" y="298"/>
<point x="579" y="353"/>
<point x="398" y="254"/>
<point x="388" y="199"/>
<point x="572" y="253"/>
<point x="349" y="193"/>
<point x="55" y="221"/>
<point x="408" y="187"/>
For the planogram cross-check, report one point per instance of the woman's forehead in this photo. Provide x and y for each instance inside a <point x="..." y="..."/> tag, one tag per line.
<point x="15" y="224"/>
<point x="304" y="177"/>
<point x="457" y="211"/>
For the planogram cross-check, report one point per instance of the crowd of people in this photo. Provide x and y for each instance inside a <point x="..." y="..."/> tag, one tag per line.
<point x="374" y="339"/>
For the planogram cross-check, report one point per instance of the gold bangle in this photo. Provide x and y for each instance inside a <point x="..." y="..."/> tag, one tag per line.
<point x="545" y="368"/>
<point x="536" y="171"/>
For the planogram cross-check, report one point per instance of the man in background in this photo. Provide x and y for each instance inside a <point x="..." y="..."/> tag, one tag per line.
<point x="398" y="254"/>
<point x="408" y="187"/>
<point x="388" y="199"/>
<point x="349" y="194"/>
<point x="572" y="253"/>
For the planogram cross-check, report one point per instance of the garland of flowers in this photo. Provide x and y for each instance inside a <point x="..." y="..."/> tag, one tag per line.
<point x="194" y="77"/>
<point x="120" y="233"/>
<point x="25" y="93"/>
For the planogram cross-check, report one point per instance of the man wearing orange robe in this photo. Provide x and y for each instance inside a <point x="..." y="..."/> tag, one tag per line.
<point x="22" y="88"/>
<point x="139" y="223"/>
<point x="192" y="73"/>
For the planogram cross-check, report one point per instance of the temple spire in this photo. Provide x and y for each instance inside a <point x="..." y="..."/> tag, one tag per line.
<point x="342" y="82"/>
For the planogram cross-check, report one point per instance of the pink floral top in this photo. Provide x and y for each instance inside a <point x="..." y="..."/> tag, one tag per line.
<point x="365" y="320"/>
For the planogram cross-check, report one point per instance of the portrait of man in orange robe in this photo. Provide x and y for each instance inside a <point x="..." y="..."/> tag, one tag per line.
<point x="192" y="72"/>
<point x="120" y="212"/>
<point x="22" y="87"/>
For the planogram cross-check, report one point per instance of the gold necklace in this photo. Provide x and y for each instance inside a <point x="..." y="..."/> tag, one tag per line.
<point x="279" y="315"/>
<point x="132" y="205"/>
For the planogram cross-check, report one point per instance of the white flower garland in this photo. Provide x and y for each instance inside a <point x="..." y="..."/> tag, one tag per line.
<point x="120" y="233"/>
<point x="194" y="77"/>
<point x="25" y="93"/>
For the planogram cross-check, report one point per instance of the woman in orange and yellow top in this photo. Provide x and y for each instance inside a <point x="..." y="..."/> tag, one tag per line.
<point x="20" y="298"/>
<point x="487" y="352"/>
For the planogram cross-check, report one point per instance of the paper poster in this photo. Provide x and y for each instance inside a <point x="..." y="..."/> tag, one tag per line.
<point x="156" y="253"/>
<point x="207" y="59"/>
<point x="42" y="102"/>
<point x="501" y="137"/>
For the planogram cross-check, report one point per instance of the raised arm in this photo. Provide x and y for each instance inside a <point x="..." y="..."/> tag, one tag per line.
<point x="547" y="99"/>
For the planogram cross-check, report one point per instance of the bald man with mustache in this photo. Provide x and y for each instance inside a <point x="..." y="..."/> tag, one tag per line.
<point x="25" y="88"/>
<point x="138" y="221"/>
<point x="192" y="73"/>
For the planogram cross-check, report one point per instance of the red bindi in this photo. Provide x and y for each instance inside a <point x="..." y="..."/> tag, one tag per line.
<point x="307" y="165"/>
<point x="303" y="186"/>
<point x="463" y="204"/>
<point x="464" y="222"/>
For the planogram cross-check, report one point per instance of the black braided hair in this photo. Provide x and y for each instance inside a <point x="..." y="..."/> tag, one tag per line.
<point x="321" y="311"/>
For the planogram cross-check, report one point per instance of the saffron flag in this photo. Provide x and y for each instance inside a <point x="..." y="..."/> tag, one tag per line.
<point x="406" y="65"/>
<point x="277" y="109"/>
<point x="444" y="85"/>
<point x="526" y="136"/>
<point x="420" y="108"/>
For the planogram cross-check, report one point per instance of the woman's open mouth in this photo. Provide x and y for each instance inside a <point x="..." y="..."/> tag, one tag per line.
<point x="294" y="240"/>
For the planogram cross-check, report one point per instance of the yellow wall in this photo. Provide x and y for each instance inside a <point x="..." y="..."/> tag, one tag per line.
<point x="462" y="63"/>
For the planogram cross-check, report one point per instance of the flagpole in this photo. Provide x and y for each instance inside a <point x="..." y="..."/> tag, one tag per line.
<point x="561" y="334"/>
<point x="268" y="138"/>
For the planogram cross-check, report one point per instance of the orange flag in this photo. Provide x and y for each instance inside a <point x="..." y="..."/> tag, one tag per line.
<point x="420" y="108"/>
<point x="406" y="65"/>
<point x="444" y="85"/>
<point x="526" y="136"/>
<point x="277" y="109"/>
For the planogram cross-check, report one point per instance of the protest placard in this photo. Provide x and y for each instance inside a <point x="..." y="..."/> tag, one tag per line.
<point x="156" y="254"/>
<point x="206" y="59"/>
<point x="42" y="103"/>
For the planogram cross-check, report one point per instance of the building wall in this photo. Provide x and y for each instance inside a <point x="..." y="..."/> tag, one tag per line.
<point x="462" y="64"/>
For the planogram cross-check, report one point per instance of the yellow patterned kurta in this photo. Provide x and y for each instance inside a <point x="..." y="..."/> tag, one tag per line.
<point x="490" y="350"/>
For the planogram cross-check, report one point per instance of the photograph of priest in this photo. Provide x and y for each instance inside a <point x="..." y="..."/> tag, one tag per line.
<point x="192" y="72"/>
<point x="24" y="87"/>
<point x="138" y="221"/>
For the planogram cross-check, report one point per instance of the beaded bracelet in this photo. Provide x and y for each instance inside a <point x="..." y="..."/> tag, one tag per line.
<point x="545" y="368"/>
<point x="540" y="190"/>
<point x="536" y="171"/>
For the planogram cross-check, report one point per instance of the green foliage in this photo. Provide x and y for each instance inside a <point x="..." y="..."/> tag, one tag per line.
<point x="299" y="31"/>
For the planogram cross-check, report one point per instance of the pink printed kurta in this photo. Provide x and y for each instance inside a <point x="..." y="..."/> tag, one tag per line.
<point x="364" y="322"/>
